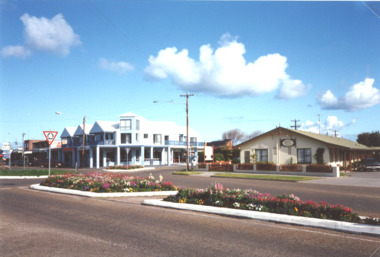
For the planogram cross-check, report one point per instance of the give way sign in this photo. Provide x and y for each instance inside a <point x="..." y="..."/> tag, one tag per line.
<point x="50" y="136"/>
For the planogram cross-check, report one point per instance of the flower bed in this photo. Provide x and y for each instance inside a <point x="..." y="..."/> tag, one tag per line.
<point x="291" y="167"/>
<point x="124" y="167"/>
<point x="101" y="183"/>
<point x="245" y="166"/>
<point x="221" y="167"/>
<point x="319" y="168"/>
<point x="266" y="166"/>
<point x="219" y="196"/>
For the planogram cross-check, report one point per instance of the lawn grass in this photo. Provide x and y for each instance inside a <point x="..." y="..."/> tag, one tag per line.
<point x="187" y="173"/>
<point x="27" y="172"/>
<point x="266" y="177"/>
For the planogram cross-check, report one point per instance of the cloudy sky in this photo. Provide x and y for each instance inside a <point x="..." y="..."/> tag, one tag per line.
<point x="250" y="65"/>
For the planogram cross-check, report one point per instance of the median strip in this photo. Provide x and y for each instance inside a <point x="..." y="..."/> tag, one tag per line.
<point x="265" y="216"/>
<point x="94" y="194"/>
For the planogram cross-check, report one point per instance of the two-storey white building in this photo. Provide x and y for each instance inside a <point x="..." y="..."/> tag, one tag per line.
<point x="132" y="140"/>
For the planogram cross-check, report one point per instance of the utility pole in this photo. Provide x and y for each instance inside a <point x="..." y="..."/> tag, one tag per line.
<point x="295" y="124"/>
<point x="23" y="147"/>
<point x="187" y="128"/>
<point x="84" y="139"/>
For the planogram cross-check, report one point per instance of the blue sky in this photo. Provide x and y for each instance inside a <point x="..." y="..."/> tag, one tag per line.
<point x="251" y="65"/>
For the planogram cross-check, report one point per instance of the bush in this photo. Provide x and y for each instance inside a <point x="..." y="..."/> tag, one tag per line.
<point x="266" y="166"/>
<point x="219" y="157"/>
<point x="291" y="167"/>
<point x="319" y="168"/>
<point x="245" y="166"/>
<point x="221" y="167"/>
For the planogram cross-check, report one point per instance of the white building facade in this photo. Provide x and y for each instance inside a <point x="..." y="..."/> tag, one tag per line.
<point x="288" y="146"/>
<point x="132" y="140"/>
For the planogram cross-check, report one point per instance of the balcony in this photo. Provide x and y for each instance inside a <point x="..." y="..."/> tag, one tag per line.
<point x="183" y="143"/>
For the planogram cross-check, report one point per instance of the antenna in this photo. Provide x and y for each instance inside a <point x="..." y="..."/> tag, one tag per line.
<point x="319" y="123"/>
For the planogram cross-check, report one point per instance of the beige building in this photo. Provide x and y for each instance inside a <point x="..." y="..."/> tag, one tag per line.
<point x="289" y="146"/>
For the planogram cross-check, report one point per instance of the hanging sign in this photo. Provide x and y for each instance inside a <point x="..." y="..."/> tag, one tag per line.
<point x="50" y="136"/>
<point x="288" y="142"/>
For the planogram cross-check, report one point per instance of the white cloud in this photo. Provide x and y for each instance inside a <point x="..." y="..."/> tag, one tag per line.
<point x="15" y="51"/>
<point x="330" y="126"/>
<point x="118" y="67"/>
<point x="292" y="89"/>
<point x="224" y="71"/>
<point x="360" y="96"/>
<point x="332" y="123"/>
<point x="52" y="35"/>
<point x="42" y="34"/>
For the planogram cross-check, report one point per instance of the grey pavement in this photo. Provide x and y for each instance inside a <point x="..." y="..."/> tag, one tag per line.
<point x="360" y="179"/>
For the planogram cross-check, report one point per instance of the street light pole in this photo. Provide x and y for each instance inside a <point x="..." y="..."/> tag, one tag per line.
<point x="187" y="128"/>
<point x="23" y="148"/>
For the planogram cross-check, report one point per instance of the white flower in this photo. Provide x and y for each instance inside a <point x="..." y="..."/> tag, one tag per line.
<point x="126" y="189"/>
<point x="251" y="206"/>
<point x="236" y="204"/>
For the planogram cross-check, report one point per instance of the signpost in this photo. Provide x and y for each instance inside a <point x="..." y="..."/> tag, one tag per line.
<point x="50" y="136"/>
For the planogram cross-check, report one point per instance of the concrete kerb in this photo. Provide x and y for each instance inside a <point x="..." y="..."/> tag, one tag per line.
<point x="131" y="170"/>
<point x="22" y="177"/>
<point x="265" y="216"/>
<point x="93" y="194"/>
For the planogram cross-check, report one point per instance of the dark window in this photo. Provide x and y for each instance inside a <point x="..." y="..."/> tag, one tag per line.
<point x="304" y="155"/>
<point x="126" y="138"/>
<point x="262" y="155"/>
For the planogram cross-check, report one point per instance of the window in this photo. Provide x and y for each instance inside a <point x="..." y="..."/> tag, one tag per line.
<point x="109" y="136"/>
<point x="193" y="139"/>
<point x="126" y="138"/>
<point x="126" y="124"/>
<point x="145" y="135"/>
<point x="137" y="124"/>
<point x="181" y="137"/>
<point x="137" y="137"/>
<point x="304" y="155"/>
<point x="157" y="139"/>
<point x="262" y="155"/>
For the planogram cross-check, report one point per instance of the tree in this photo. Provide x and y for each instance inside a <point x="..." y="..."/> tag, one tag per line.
<point x="369" y="139"/>
<point x="236" y="135"/>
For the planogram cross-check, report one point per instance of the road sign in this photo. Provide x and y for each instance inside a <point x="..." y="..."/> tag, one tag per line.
<point x="50" y="136"/>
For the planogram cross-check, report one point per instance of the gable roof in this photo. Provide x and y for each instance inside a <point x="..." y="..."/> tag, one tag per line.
<point x="104" y="126"/>
<point x="68" y="132"/>
<point x="330" y="140"/>
<point x="79" y="130"/>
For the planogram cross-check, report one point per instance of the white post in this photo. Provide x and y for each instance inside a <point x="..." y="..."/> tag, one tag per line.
<point x="49" y="158"/>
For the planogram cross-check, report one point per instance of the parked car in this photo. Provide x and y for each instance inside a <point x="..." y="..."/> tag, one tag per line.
<point x="45" y="163"/>
<point x="19" y="163"/>
<point x="369" y="164"/>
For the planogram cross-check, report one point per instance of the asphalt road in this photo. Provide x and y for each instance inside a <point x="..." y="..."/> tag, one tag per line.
<point x="35" y="223"/>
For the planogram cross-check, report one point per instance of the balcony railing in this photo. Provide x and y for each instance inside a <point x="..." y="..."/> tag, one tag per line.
<point x="183" y="143"/>
<point x="92" y="143"/>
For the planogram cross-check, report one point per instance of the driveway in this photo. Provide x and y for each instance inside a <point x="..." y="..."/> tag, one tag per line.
<point x="361" y="179"/>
